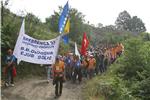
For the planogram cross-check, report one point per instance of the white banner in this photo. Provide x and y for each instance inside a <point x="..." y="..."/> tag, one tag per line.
<point x="36" y="51"/>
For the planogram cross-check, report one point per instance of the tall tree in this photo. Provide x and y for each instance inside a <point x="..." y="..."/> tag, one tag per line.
<point x="135" y="25"/>
<point x="128" y="23"/>
<point x="77" y="26"/>
<point x="122" y="20"/>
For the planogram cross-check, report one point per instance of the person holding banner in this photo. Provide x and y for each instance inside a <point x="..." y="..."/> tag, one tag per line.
<point x="58" y="72"/>
<point x="9" y="68"/>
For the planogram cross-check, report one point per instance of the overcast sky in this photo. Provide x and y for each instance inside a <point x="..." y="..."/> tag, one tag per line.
<point x="95" y="11"/>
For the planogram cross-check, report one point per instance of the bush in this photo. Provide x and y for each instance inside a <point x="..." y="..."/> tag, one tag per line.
<point x="107" y="88"/>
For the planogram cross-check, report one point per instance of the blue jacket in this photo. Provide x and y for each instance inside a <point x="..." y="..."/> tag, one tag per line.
<point x="78" y="64"/>
<point x="10" y="58"/>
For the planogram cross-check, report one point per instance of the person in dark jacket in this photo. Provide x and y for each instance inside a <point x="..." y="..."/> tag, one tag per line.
<point x="77" y="70"/>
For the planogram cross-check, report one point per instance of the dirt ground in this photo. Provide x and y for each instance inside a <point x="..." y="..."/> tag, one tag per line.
<point x="39" y="89"/>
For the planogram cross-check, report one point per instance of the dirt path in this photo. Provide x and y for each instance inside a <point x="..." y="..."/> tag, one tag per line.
<point x="39" y="89"/>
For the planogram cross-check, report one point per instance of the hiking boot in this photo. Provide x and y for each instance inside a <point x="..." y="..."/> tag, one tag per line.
<point x="6" y="84"/>
<point x="12" y="85"/>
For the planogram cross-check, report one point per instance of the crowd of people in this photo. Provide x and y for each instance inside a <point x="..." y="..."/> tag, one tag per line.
<point x="71" y="67"/>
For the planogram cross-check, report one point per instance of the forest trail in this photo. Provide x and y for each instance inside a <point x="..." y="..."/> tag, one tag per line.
<point x="40" y="89"/>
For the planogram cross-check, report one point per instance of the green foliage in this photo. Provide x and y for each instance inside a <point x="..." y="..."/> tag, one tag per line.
<point x="145" y="36"/>
<point x="122" y="20"/>
<point x="142" y="87"/>
<point x="133" y="24"/>
<point x="77" y="26"/>
<point x="11" y="24"/>
<point x="52" y="22"/>
<point x="64" y="48"/>
<point x="132" y="59"/>
<point x="107" y="88"/>
<point x="135" y="67"/>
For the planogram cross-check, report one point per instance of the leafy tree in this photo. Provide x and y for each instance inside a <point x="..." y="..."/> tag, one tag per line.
<point x="135" y="25"/>
<point x="122" y="19"/>
<point x="10" y="28"/>
<point x="128" y="23"/>
<point x="135" y="67"/>
<point x="132" y="59"/>
<point x="77" y="26"/>
<point x="31" y="22"/>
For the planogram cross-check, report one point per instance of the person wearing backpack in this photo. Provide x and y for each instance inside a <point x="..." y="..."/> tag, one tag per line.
<point x="91" y="67"/>
<point x="85" y="66"/>
<point x="58" y="73"/>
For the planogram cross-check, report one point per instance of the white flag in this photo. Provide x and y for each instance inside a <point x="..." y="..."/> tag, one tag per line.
<point x="76" y="50"/>
<point x="17" y="46"/>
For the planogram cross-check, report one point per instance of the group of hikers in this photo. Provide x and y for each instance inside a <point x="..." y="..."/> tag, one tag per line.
<point x="71" y="67"/>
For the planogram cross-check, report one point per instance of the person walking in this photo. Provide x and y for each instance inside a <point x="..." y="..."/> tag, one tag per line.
<point x="97" y="63"/>
<point x="68" y="62"/>
<point x="77" y="70"/>
<point x="85" y="66"/>
<point x="58" y="71"/>
<point x="101" y="65"/>
<point x="91" y="67"/>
